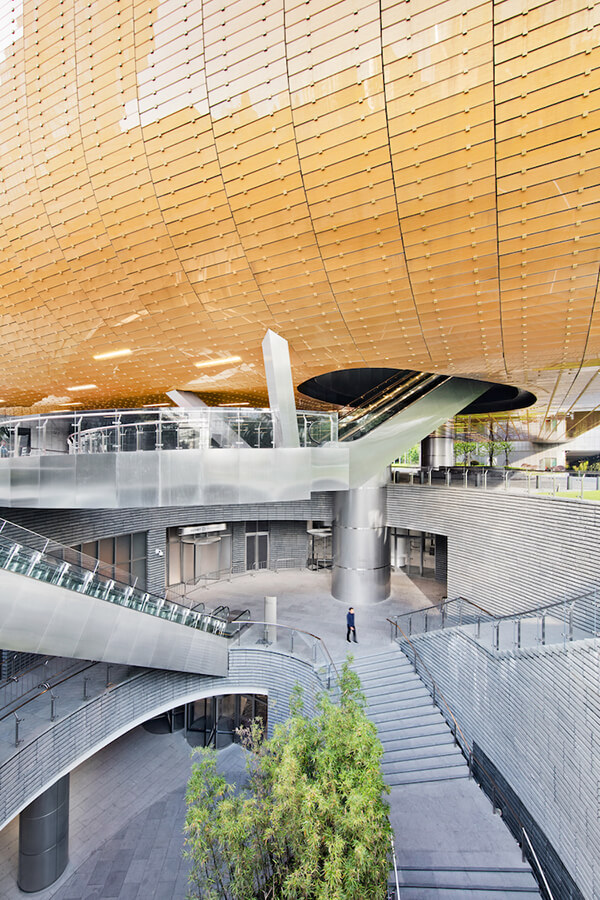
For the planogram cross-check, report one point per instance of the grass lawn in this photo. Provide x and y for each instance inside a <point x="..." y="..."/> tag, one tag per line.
<point x="587" y="495"/>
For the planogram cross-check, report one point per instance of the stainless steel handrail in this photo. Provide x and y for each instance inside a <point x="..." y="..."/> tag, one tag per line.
<point x="538" y="866"/>
<point x="566" y="604"/>
<point x="315" y="637"/>
<point x="446" y="603"/>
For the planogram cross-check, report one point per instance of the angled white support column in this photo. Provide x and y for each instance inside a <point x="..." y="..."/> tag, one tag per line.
<point x="186" y="399"/>
<point x="278" y="370"/>
<point x="220" y="430"/>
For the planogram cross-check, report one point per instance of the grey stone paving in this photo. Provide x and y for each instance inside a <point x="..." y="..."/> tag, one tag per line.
<point x="142" y="860"/>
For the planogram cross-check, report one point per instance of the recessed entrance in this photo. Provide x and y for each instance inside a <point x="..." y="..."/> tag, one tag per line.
<point x="213" y="721"/>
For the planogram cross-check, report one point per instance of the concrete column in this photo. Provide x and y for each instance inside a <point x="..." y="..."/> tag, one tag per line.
<point x="44" y="838"/>
<point x="438" y="448"/>
<point x="270" y="618"/>
<point x="361" y="553"/>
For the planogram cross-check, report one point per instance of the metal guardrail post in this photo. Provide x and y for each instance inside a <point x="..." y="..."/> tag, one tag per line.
<point x="478" y="627"/>
<point x="543" y="629"/>
<point x="426" y="622"/>
<point x="18" y="738"/>
<point x="409" y="626"/>
<point x="497" y="636"/>
<point x="443" y="616"/>
<point x="108" y="668"/>
<point x="518" y="634"/>
<point x="292" y="641"/>
<point x="53" y="713"/>
<point x="448" y="477"/>
<point x="470" y="765"/>
<point x="85" y="684"/>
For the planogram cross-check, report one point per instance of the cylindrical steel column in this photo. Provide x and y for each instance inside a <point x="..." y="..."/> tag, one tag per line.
<point x="438" y="448"/>
<point x="361" y="553"/>
<point x="399" y="547"/>
<point x="44" y="838"/>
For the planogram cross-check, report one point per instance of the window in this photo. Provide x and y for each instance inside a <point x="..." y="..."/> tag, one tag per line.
<point x="124" y="554"/>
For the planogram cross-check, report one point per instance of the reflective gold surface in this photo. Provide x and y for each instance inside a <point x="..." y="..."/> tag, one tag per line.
<point x="409" y="184"/>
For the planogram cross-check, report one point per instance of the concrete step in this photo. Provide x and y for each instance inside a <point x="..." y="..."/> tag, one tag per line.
<point x="471" y="877"/>
<point x="425" y="776"/>
<point x="426" y="763"/>
<point x="391" y="668"/>
<point x="392" y="742"/>
<point x="397" y="699"/>
<point x="472" y="893"/>
<point x="372" y="662"/>
<point x="395" y="683"/>
<point x="409" y="705"/>
<point x="414" y="720"/>
<point x="437" y="752"/>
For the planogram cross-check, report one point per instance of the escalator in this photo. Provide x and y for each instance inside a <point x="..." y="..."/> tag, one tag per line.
<point x="55" y="600"/>
<point x="382" y="402"/>
<point x="396" y="414"/>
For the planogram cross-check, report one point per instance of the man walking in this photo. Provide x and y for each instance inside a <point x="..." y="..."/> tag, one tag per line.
<point x="350" y="627"/>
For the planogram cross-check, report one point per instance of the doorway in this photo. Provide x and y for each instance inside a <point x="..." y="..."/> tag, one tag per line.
<point x="257" y="546"/>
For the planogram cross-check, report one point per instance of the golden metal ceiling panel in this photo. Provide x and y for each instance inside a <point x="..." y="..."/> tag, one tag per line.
<point x="409" y="185"/>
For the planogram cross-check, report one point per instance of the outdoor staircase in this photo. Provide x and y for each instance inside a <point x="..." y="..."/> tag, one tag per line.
<point x="418" y="745"/>
<point x="418" y="749"/>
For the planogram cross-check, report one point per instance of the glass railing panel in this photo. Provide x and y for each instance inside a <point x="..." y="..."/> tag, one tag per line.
<point x="137" y="430"/>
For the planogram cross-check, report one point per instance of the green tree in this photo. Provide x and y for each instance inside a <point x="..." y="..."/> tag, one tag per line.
<point x="581" y="467"/>
<point x="464" y="449"/>
<point x="312" y="824"/>
<point x="507" y="448"/>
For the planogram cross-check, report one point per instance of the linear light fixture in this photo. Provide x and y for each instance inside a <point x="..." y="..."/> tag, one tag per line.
<point x="112" y="354"/>
<point x="217" y="362"/>
<point x="245" y="403"/>
<point x="72" y="403"/>
<point x="152" y="405"/>
<point x="82" y="387"/>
